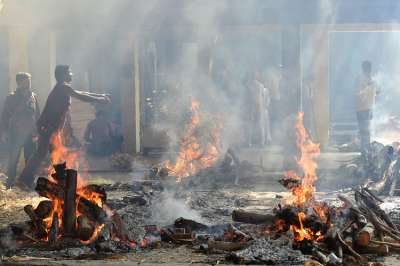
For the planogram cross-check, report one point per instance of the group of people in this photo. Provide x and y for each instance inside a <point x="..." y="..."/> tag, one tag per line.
<point x="24" y="127"/>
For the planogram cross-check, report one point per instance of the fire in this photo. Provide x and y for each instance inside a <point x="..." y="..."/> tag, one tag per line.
<point x="308" y="150"/>
<point x="195" y="155"/>
<point x="60" y="154"/>
<point x="95" y="235"/>
<point x="301" y="233"/>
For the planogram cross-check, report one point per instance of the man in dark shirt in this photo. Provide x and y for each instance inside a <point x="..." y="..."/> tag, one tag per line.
<point x="18" y="123"/>
<point x="53" y="118"/>
<point x="99" y="135"/>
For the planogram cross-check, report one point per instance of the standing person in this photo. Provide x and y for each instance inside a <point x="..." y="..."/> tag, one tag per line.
<point x="366" y="93"/>
<point x="53" y="118"/>
<point x="257" y="112"/>
<point x="18" y="122"/>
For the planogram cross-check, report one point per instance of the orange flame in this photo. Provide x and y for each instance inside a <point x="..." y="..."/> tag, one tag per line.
<point x="301" y="233"/>
<point x="60" y="154"/>
<point x="95" y="234"/>
<point x="308" y="152"/>
<point x="193" y="154"/>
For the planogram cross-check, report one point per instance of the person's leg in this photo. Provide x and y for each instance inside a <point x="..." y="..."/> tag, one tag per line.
<point x="34" y="162"/>
<point x="363" y="124"/>
<point x="13" y="157"/>
<point x="29" y="148"/>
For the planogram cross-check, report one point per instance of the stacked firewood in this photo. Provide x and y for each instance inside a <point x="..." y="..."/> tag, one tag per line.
<point x="379" y="165"/>
<point x="73" y="213"/>
<point x="357" y="228"/>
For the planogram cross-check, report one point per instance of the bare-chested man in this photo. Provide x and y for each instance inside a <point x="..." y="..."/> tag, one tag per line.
<point x="53" y="118"/>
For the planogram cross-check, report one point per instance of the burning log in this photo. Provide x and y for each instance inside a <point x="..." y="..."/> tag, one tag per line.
<point x="252" y="218"/>
<point x="54" y="229"/>
<point x="43" y="210"/>
<point x="85" y="229"/>
<point x="60" y="175"/>
<point x="48" y="189"/>
<point x="69" y="214"/>
<point x="365" y="235"/>
<point x="37" y="222"/>
<point x="96" y="189"/>
<point x="91" y="210"/>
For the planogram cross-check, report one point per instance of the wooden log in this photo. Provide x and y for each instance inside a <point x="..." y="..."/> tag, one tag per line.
<point x="54" y="229"/>
<point x="69" y="214"/>
<point x="349" y="241"/>
<point x="252" y="218"/>
<point x="85" y="229"/>
<point x="227" y="246"/>
<point x="189" y="225"/>
<point x="378" y="249"/>
<point x="91" y="210"/>
<point x="365" y="235"/>
<point x="321" y="257"/>
<point x="60" y="175"/>
<point x="99" y="190"/>
<point x="48" y="189"/>
<point x="43" y="210"/>
<point x="40" y="229"/>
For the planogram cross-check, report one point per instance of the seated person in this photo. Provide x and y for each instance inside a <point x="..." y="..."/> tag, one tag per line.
<point x="99" y="135"/>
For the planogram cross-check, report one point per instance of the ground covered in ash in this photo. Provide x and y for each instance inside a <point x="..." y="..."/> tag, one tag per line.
<point x="154" y="202"/>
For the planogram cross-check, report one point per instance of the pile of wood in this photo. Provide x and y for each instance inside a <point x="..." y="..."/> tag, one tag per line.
<point x="69" y="212"/>
<point x="349" y="232"/>
<point x="378" y="168"/>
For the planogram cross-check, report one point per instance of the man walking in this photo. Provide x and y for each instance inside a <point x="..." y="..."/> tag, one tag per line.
<point x="18" y="124"/>
<point x="53" y="118"/>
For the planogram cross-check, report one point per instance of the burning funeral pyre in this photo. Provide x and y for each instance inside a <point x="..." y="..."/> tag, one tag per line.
<point x="300" y="229"/>
<point x="195" y="153"/>
<point x="74" y="213"/>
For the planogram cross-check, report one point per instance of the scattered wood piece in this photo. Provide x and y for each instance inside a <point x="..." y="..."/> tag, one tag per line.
<point x="227" y="246"/>
<point x="365" y="235"/>
<point x="252" y="218"/>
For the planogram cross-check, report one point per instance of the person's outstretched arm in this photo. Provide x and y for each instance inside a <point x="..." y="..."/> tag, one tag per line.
<point x="89" y="97"/>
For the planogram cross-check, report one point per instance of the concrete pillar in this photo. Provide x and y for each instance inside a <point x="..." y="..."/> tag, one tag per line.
<point x="131" y="104"/>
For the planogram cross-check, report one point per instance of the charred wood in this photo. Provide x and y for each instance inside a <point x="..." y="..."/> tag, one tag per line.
<point x="38" y="224"/>
<point x="189" y="225"/>
<point x="227" y="246"/>
<point x="43" y="210"/>
<point x="54" y="229"/>
<point x="91" y="210"/>
<point x="48" y="189"/>
<point x="69" y="213"/>
<point x="85" y="228"/>
<point x="364" y="236"/>
<point x="252" y="218"/>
